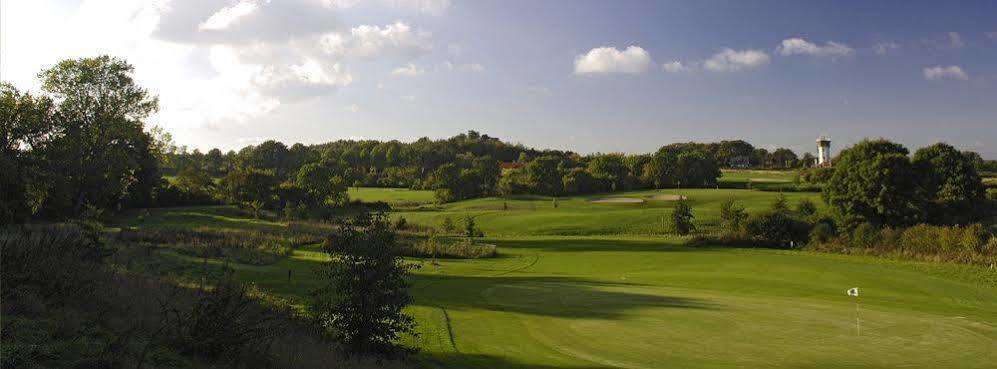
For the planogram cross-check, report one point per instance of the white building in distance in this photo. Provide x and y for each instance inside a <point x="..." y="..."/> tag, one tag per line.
<point x="823" y="151"/>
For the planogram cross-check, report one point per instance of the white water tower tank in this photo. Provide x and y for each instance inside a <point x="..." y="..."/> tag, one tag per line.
<point x="823" y="151"/>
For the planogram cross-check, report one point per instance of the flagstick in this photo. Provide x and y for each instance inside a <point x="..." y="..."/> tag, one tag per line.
<point x="858" y="327"/>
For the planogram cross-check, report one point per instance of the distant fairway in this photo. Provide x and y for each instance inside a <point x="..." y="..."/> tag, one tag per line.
<point x="394" y="196"/>
<point x="581" y="216"/>
<point x="591" y="285"/>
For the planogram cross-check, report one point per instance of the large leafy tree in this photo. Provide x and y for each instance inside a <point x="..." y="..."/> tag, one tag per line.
<point x="25" y="126"/>
<point x="948" y="177"/>
<point x="365" y="289"/>
<point x="875" y="182"/>
<point x="610" y="168"/>
<point x="100" y="150"/>
<point x="544" y="175"/>
<point x="252" y="188"/>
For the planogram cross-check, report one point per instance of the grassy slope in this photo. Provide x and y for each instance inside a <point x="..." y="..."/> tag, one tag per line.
<point x="554" y="299"/>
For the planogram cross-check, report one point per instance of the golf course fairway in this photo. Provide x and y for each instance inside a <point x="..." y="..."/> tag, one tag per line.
<point x="584" y="288"/>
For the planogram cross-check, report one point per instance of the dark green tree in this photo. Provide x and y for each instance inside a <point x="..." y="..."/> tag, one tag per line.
<point x="949" y="178"/>
<point x="25" y="124"/>
<point x="610" y="168"/>
<point x="101" y="154"/>
<point x="365" y="289"/>
<point x="544" y="175"/>
<point x="253" y="188"/>
<point x="875" y="182"/>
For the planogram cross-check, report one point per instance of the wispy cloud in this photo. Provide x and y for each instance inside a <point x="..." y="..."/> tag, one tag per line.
<point x="884" y="47"/>
<point x="956" y="40"/>
<point x="799" y="46"/>
<point x="410" y="70"/>
<point x="675" y="66"/>
<point x="939" y="72"/>
<point x="727" y="60"/>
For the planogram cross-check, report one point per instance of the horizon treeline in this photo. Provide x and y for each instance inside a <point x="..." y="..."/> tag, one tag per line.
<point x="82" y="142"/>
<point x="471" y="164"/>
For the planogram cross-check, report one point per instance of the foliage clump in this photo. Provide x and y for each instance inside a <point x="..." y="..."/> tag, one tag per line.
<point x="361" y="303"/>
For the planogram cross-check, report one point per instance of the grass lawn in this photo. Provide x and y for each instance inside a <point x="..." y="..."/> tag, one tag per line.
<point x="393" y="196"/>
<point x="580" y="216"/>
<point x="582" y="286"/>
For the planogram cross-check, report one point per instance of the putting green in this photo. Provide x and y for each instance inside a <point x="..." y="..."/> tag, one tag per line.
<point x="590" y="303"/>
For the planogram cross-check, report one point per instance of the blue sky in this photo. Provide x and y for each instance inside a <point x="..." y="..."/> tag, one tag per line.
<point x="588" y="76"/>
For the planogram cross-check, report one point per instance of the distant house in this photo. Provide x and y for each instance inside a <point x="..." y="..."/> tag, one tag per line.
<point x="510" y="165"/>
<point x="739" y="161"/>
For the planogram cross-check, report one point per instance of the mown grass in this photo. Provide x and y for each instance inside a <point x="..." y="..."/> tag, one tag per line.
<point x="579" y="216"/>
<point x="392" y="196"/>
<point x="600" y="285"/>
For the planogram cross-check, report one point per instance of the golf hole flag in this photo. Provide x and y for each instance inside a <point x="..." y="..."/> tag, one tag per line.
<point x="854" y="291"/>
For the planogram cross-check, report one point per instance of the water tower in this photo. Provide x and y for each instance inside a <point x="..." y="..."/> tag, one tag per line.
<point x="823" y="151"/>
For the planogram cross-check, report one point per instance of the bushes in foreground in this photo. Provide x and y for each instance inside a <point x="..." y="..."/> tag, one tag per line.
<point x="64" y="306"/>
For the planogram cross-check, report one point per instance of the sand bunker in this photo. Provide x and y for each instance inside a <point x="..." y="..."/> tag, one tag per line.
<point x="670" y="197"/>
<point x="770" y="180"/>
<point x="619" y="200"/>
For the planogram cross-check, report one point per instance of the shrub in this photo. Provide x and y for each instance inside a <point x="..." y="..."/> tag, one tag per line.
<point x="471" y="228"/>
<point x="992" y="194"/>
<point x="865" y="236"/>
<point x="681" y="220"/>
<point x="777" y="228"/>
<point x="448" y="226"/>
<point x="57" y="262"/>
<point x="365" y="291"/>
<point x="455" y="249"/>
<point x="822" y="232"/>
<point x="732" y="217"/>
<point x="222" y="324"/>
<point x="806" y="209"/>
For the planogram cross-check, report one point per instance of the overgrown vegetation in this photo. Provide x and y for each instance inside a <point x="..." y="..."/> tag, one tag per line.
<point x="963" y="244"/>
<point x="65" y="306"/>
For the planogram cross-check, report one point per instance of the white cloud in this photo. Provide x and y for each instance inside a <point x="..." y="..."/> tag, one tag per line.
<point x="731" y="60"/>
<point x="368" y="41"/>
<point x="409" y="98"/>
<point x="675" y="67"/>
<point x="884" y="47"/>
<point x="606" y="60"/>
<point x="799" y="46"/>
<point x="353" y="108"/>
<point x="228" y="15"/>
<point x="410" y="70"/>
<point x="939" y="72"/>
<point x="427" y="7"/>
<point x="956" y="40"/>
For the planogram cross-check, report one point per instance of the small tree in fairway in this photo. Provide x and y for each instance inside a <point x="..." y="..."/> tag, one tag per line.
<point x="682" y="218"/>
<point x="366" y="291"/>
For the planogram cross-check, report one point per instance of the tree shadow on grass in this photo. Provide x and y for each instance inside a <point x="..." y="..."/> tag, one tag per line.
<point x="481" y="361"/>
<point x="565" y="297"/>
<point x="568" y="244"/>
